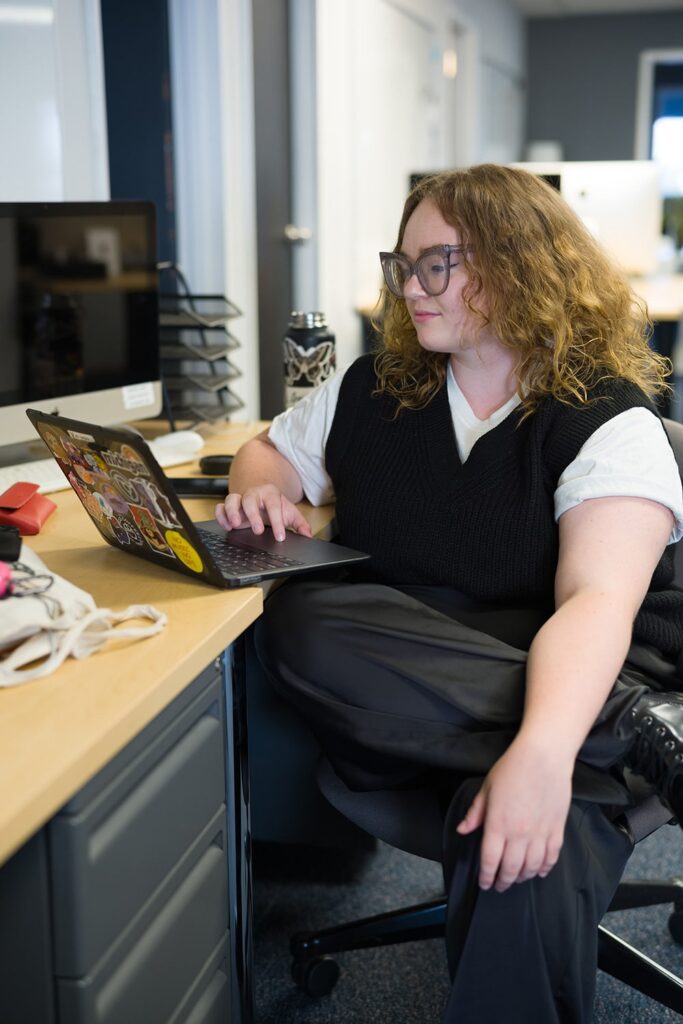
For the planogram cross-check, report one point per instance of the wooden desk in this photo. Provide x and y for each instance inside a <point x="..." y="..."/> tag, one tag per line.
<point x="663" y="294"/>
<point x="57" y="733"/>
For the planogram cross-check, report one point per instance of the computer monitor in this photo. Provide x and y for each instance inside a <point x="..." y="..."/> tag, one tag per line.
<point x="79" y="322"/>
<point x="619" y="201"/>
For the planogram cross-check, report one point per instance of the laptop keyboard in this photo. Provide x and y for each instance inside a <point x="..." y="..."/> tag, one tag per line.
<point x="242" y="559"/>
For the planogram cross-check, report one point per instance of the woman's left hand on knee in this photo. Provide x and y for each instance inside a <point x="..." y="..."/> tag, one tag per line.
<point x="522" y="806"/>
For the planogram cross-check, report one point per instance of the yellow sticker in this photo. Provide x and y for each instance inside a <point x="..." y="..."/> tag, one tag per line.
<point x="184" y="550"/>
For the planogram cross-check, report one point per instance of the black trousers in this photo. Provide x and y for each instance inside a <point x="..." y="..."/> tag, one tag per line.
<point x="402" y="694"/>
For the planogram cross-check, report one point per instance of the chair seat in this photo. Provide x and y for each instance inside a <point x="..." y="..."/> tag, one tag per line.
<point x="409" y="819"/>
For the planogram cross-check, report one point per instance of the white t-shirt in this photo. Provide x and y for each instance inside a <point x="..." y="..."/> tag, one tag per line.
<point x="630" y="455"/>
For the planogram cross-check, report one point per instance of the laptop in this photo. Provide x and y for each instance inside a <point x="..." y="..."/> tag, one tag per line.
<point x="135" y="508"/>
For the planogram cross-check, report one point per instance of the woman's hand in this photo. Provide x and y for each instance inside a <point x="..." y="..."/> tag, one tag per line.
<point x="258" y="505"/>
<point x="523" y="806"/>
<point x="264" y="488"/>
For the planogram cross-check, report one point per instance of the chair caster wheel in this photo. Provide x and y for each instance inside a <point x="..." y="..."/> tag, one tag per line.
<point x="316" y="977"/>
<point x="676" y="926"/>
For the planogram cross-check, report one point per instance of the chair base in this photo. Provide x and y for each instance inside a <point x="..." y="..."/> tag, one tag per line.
<point x="622" y="961"/>
<point x="316" y="972"/>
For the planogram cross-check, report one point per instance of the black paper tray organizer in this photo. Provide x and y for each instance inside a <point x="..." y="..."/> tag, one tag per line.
<point x="211" y="312"/>
<point x="185" y="346"/>
<point x="197" y="412"/>
<point x="196" y="346"/>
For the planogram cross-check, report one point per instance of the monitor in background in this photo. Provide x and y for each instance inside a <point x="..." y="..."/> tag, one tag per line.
<point x="619" y="201"/>
<point x="79" y="323"/>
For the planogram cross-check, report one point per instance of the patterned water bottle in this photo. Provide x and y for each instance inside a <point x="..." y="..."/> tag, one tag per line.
<point x="309" y="354"/>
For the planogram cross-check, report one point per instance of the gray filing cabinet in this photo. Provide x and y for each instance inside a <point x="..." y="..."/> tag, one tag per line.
<point x="138" y="892"/>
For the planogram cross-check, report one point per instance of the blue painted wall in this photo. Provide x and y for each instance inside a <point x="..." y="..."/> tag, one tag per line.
<point x="582" y="79"/>
<point x="139" y="122"/>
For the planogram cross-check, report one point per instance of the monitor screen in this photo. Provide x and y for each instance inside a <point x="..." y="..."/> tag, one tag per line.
<point x="79" y="332"/>
<point x="619" y="201"/>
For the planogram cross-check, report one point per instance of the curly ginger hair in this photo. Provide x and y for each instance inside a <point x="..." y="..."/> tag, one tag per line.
<point x="552" y="294"/>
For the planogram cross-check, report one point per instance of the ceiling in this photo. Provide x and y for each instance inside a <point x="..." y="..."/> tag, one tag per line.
<point x="566" y="8"/>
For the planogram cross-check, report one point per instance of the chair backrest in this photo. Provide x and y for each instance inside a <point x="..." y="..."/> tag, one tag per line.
<point x="675" y="432"/>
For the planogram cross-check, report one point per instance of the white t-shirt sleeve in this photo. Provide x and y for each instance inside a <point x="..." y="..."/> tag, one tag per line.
<point x="300" y="434"/>
<point x="630" y="455"/>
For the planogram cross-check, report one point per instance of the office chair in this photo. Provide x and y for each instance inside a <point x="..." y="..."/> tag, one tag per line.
<point x="411" y="820"/>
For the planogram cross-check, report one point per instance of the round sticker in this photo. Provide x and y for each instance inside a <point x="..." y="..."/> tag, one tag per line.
<point x="130" y="455"/>
<point x="184" y="550"/>
<point x="104" y="504"/>
<point x="53" y="440"/>
<point x="85" y="474"/>
<point x="95" y="461"/>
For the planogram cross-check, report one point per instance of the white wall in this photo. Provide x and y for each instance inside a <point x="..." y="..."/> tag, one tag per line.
<point x="385" y="109"/>
<point x="213" y="127"/>
<point x="52" y="109"/>
<point x="501" y="76"/>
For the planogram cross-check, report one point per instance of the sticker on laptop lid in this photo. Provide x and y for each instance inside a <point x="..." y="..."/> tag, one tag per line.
<point x="53" y="439"/>
<point x="120" y="531"/>
<point x="111" y="493"/>
<point x="150" y="531"/>
<point x="95" y="461"/>
<point x="127" y="459"/>
<point x="78" y="436"/>
<point x="184" y="550"/>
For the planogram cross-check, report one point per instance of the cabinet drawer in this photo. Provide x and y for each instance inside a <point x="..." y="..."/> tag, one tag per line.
<point x="203" y="695"/>
<point x="214" y="1005"/>
<point x="152" y="979"/>
<point x="210" y="994"/>
<point x="106" y="866"/>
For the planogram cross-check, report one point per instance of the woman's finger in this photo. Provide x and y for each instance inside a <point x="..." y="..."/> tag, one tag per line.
<point x="511" y="863"/>
<point x="475" y="814"/>
<point x="492" y="848"/>
<point x="251" y="508"/>
<point x="229" y="512"/>
<point x="273" y="504"/>
<point x="296" y="521"/>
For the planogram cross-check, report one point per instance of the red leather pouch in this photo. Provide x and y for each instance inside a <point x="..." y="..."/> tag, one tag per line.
<point x="23" y="507"/>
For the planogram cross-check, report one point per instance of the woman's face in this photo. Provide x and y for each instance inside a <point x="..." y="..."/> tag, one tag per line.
<point x="443" y="322"/>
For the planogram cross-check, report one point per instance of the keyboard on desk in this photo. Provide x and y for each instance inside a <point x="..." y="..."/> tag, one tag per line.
<point x="238" y="558"/>
<point x="44" y="472"/>
<point x="49" y="477"/>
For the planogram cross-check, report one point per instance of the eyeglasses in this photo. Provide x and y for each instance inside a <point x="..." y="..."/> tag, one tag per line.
<point x="433" y="269"/>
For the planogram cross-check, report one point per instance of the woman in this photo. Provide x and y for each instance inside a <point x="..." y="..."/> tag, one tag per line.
<point x="502" y="461"/>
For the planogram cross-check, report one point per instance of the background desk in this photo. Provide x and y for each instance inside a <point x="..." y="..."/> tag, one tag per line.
<point x="78" y="748"/>
<point x="663" y="294"/>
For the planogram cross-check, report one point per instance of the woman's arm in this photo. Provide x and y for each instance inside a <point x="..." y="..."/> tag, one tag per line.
<point x="264" y="488"/>
<point x="267" y="477"/>
<point x="609" y="548"/>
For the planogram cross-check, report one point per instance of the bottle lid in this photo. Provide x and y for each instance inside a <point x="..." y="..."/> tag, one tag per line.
<point x="299" y="319"/>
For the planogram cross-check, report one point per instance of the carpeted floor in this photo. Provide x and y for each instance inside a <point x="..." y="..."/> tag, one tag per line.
<point x="303" y="888"/>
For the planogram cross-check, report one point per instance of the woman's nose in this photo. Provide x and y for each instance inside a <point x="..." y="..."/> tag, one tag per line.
<point x="412" y="289"/>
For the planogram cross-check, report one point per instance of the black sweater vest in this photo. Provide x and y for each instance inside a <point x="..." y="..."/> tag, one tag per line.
<point x="485" y="527"/>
